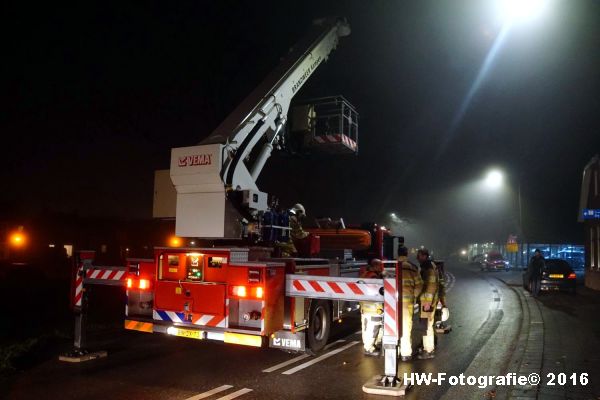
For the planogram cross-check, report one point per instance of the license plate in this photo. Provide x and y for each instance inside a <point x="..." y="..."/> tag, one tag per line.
<point x="556" y="276"/>
<point x="187" y="333"/>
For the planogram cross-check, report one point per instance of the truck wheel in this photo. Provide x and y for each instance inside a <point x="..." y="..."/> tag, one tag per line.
<point x="319" y="325"/>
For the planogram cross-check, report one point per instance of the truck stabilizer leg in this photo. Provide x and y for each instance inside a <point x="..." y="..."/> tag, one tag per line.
<point x="389" y="384"/>
<point x="79" y="352"/>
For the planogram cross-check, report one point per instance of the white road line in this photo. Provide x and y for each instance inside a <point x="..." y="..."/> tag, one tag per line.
<point x="330" y="345"/>
<point x="318" y="359"/>
<point x="210" y="392"/>
<point x="302" y="357"/>
<point x="286" y="363"/>
<point x="235" y="394"/>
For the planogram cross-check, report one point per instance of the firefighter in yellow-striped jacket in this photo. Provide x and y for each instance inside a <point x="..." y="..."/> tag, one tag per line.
<point x="412" y="284"/>
<point x="429" y="299"/>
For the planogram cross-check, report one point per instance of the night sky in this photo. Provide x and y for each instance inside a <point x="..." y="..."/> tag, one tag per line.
<point x="95" y="97"/>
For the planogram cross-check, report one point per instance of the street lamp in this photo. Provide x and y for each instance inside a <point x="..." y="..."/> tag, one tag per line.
<point x="520" y="10"/>
<point x="494" y="179"/>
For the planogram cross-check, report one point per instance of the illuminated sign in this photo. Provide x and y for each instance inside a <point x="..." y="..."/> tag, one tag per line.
<point x="590" y="213"/>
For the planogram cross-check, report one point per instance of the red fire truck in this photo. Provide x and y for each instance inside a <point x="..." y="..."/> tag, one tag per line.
<point x="235" y="289"/>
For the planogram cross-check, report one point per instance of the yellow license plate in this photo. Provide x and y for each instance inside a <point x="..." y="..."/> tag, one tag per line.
<point x="187" y="333"/>
<point x="556" y="276"/>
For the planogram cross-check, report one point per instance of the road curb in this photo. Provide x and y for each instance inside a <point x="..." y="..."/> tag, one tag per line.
<point x="527" y="356"/>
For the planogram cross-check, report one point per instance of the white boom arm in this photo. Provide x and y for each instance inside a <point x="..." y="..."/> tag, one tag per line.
<point x="204" y="175"/>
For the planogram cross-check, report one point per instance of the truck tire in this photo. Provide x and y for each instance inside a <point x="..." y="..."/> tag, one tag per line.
<point x="319" y="325"/>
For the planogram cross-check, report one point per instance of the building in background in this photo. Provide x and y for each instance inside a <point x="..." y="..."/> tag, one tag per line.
<point x="589" y="215"/>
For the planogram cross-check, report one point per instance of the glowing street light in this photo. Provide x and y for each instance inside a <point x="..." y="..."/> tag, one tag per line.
<point x="17" y="239"/>
<point x="520" y="10"/>
<point x="494" y="179"/>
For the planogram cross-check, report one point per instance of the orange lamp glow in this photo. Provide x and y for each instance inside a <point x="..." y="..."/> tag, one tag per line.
<point x="17" y="239"/>
<point x="144" y="284"/>
<point x="129" y="283"/>
<point x="174" y="241"/>
<point x="572" y="276"/>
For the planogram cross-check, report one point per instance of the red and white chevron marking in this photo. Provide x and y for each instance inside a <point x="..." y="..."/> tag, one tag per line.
<point x="218" y="321"/>
<point x="351" y="289"/>
<point x="106" y="274"/>
<point x="78" y="287"/>
<point x="390" y="308"/>
<point x="337" y="138"/>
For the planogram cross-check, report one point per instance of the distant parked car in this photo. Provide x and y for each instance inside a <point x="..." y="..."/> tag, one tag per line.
<point x="494" y="262"/>
<point x="558" y="275"/>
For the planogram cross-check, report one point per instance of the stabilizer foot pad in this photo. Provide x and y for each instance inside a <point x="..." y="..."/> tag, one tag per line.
<point x="80" y="356"/>
<point x="375" y="387"/>
<point x="444" y="329"/>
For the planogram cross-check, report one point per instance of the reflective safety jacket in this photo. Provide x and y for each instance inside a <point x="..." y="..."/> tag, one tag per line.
<point x="412" y="283"/>
<point x="431" y="282"/>
<point x="297" y="231"/>
<point x="442" y="286"/>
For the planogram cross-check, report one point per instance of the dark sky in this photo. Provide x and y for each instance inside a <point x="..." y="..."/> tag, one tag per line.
<point x="95" y="97"/>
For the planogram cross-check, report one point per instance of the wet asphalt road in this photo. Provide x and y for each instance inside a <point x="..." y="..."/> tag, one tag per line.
<point x="485" y="320"/>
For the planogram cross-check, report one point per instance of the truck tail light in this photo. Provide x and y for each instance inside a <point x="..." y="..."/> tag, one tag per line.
<point x="253" y="292"/>
<point x="144" y="284"/>
<point x="572" y="275"/>
<point x="239" y="291"/>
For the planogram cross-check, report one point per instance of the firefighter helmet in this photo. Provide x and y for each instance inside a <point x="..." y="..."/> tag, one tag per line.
<point x="298" y="209"/>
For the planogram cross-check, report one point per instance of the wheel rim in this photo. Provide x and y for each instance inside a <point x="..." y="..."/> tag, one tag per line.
<point x="320" y="323"/>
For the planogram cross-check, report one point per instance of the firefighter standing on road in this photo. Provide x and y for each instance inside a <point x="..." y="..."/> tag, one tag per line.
<point x="429" y="299"/>
<point x="412" y="284"/>
<point x="534" y="270"/>
<point x="371" y="313"/>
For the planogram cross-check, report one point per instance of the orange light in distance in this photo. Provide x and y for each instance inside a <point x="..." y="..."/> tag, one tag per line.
<point x="174" y="241"/>
<point x="572" y="276"/>
<point x="144" y="284"/>
<point x="17" y="239"/>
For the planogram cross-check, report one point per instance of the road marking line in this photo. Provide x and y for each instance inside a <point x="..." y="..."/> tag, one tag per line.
<point x="235" y="394"/>
<point x="321" y="358"/>
<point x="210" y="392"/>
<point x="286" y="363"/>
<point x="301" y="357"/>
<point x="330" y="345"/>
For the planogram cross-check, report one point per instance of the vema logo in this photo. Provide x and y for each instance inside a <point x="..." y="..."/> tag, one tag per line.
<point x="197" y="159"/>
<point x="289" y="343"/>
